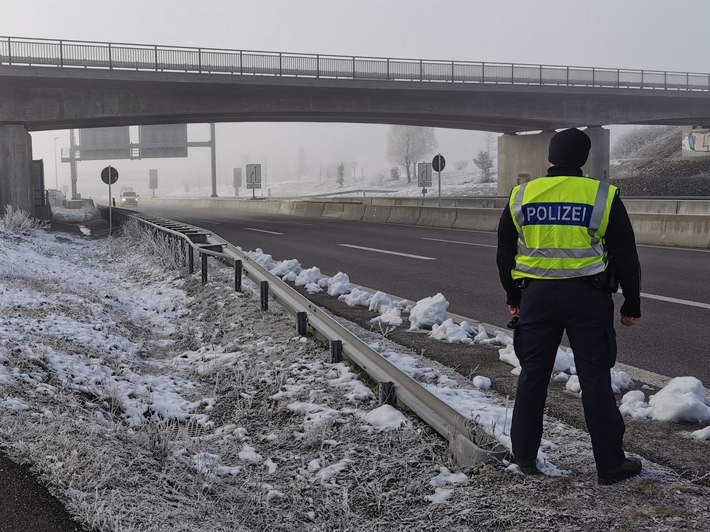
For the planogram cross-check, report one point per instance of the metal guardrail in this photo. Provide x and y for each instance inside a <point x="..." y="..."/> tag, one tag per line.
<point x="458" y="430"/>
<point x="158" y="58"/>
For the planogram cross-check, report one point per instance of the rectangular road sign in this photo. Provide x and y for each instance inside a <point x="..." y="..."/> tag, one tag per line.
<point x="424" y="174"/>
<point x="152" y="179"/>
<point x="253" y="176"/>
<point x="237" y="178"/>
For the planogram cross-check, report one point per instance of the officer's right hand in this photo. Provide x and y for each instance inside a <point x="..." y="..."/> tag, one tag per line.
<point x="629" y="321"/>
<point x="514" y="310"/>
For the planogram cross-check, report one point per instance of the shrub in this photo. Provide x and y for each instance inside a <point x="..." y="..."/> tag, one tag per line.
<point x="18" y="221"/>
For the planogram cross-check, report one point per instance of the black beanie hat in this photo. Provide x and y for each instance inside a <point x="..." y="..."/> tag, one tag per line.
<point x="569" y="148"/>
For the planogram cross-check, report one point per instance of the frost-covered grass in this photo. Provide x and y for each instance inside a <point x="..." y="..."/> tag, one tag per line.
<point x="17" y="221"/>
<point x="147" y="401"/>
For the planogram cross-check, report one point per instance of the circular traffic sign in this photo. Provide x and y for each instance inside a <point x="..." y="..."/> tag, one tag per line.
<point x="438" y="163"/>
<point x="109" y="175"/>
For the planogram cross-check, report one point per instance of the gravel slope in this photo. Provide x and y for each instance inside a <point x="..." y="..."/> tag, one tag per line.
<point x="658" y="170"/>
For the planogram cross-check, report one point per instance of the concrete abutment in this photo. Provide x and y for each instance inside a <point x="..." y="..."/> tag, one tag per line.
<point x="16" y="184"/>
<point x="528" y="154"/>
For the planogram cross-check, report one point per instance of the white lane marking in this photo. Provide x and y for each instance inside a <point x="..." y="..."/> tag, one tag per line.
<point x="420" y="257"/>
<point x="213" y="223"/>
<point x="673" y="248"/>
<point x="676" y="300"/>
<point x="262" y="231"/>
<point x="649" y="296"/>
<point x="458" y="242"/>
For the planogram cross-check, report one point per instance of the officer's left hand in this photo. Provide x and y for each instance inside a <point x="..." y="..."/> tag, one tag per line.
<point x="514" y="310"/>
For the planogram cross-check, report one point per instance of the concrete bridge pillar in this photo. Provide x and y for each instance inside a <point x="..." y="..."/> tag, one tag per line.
<point x="16" y="187"/>
<point x="528" y="154"/>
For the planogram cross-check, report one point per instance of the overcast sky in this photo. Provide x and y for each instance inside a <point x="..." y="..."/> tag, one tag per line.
<point x="634" y="34"/>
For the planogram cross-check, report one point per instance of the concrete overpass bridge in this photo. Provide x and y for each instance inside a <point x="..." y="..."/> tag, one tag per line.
<point x="54" y="84"/>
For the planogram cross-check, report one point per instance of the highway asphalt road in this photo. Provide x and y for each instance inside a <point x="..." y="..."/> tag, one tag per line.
<point x="673" y="338"/>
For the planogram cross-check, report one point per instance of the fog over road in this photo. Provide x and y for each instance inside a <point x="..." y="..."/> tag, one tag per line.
<point x="414" y="262"/>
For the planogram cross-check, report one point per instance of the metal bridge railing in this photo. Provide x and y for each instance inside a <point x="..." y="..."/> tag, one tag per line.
<point x="119" y="56"/>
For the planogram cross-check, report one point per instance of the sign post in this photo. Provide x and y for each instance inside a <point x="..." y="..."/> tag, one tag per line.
<point x="237" y="180"/>
<point x="253" y="178"/>
<point x="438" y="164"/>
<point x="109" y="175"/>
<point x="152" y="181"/>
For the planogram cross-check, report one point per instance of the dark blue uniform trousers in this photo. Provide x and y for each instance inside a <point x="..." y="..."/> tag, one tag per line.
<point x="547" y="309"/>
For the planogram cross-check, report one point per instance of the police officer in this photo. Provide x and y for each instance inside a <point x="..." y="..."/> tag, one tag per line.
<point x="555" y="242"/>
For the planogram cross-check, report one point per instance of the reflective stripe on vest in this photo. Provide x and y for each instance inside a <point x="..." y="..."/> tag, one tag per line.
<point x="561" y="223"/>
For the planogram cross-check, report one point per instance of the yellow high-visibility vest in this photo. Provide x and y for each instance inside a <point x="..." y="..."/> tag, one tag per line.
<point x="561" y="224"/>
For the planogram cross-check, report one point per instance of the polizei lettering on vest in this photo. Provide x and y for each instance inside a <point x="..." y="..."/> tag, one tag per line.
<point x="557" y="214"/>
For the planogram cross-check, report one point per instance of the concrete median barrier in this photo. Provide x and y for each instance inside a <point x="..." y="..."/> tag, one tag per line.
<point x="376" y="213"/>
<point x="682" y="230"/>
<point x="314" y="209"/>
<point x="694" y="207"/>
<point x="353" y="211"/>
<point x="437" y="216"/>
<point x="650" y="206"/>
<point x="663" y="227"/>
<point x="404" y="215"/>
<point x="477" y="219"/>
<point x="300" y="208"/>
<point x="475" y="203"/>
<point x="332" y="210"/>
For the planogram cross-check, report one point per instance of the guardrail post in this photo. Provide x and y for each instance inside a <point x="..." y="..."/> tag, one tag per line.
<point x="110" y="58"/>
<point x="336" y="351"/>
<point x="237" y="275"/>
<point x="203" y="256"/>
<point x="199" y="59"/>
<point x="281" y="71"/>
<point x="190" y="260"/>
<point x="264" y="292"/>
<point x="387" y="396"/>
<point x="61" y="54"/>
<point x="302" y="323"/>
<point x="177" y="248"/>
<point x="9" y="51"/>
<point x="318" y="66"/>
<point x="156" y="57"/>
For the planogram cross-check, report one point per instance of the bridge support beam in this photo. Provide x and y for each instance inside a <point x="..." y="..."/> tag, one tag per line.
<point x="16" y="187"/>
<point x="528" y="154"/>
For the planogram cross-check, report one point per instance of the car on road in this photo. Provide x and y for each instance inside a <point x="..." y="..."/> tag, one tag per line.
<point x="129" y="199"/>
<point x="56" y="198"/>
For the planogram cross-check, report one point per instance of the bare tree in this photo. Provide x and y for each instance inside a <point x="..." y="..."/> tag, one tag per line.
<point x="353" y="165"/>
<point x="408" y="144"/>
<point x="638" y="137"/>
<point x="340" y="176"/>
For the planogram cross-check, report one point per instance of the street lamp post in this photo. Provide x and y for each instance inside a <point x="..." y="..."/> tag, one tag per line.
<point x="56" y="174"/>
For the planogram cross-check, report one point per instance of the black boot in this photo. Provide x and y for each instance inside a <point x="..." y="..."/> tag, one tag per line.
<point x="628" y="468"/>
